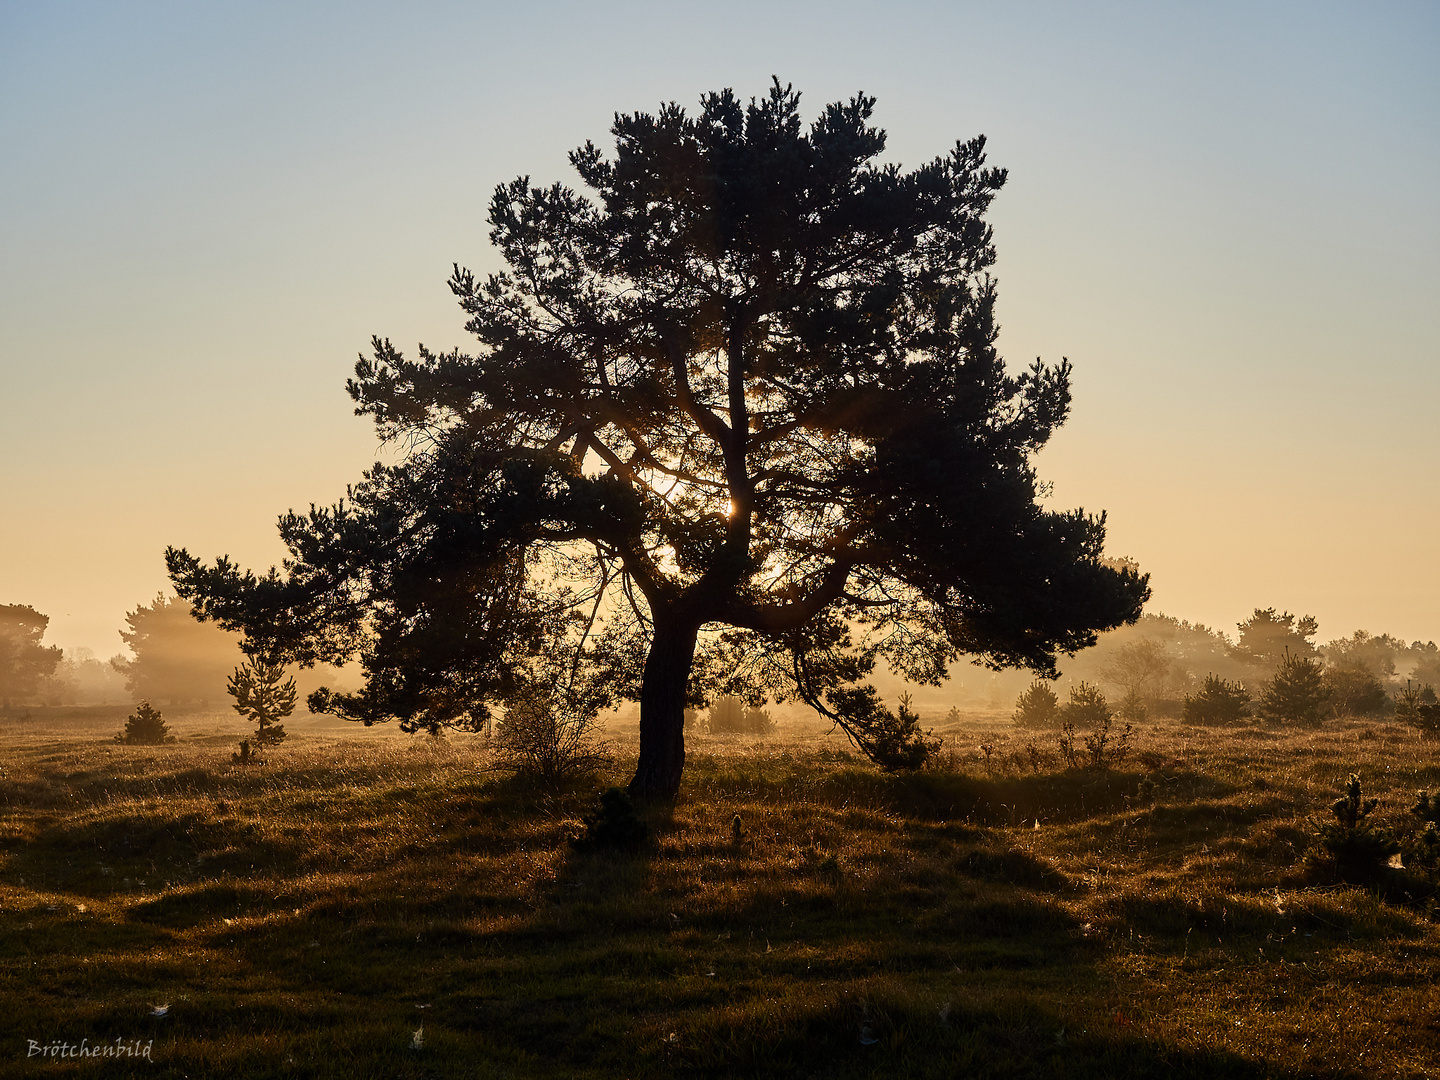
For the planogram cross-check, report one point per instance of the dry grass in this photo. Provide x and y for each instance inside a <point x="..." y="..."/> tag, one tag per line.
<point x="306" y="918"/>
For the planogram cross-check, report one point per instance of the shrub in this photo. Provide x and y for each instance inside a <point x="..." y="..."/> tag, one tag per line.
<point x="1297" y="693"/>
<point x="1105" y="748"/>
<point x="730" y="716"/>
<point x="1037" y="707"/>
<point x="1354" y="691"/>
<point x="1219" y="701"/>
<point x="540" y="736"/>
<point x="1418" y="706"/>
<point x="145" y="727"/>
<point x="1133" y="707"/>
<point x="1354" y="850"/>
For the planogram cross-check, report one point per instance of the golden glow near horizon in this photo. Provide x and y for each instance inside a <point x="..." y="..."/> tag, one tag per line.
<point x="1226" y="219"/>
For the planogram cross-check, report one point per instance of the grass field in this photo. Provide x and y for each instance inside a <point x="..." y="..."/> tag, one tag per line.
<point x="368" y="904"/>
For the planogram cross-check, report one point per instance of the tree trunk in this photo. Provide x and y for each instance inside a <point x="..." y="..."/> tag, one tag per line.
<point x="662" y="709"/>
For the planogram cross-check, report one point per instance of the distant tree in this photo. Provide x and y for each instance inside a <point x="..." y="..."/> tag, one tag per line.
<point x="729" y="715"/>
<point x="175" y="658"/>
<point x="1037" y="707"/>
<point x="1266" y="638"/>
<point x="145" y="727"/>
<point x="1218" y="701"/>
<point x="24" y="663"/>
<point x="81" y="679"/>
<point x="1187" y="650"/>
<point x="1297" y="693"/>
<point x="264" y="695"/>
<point x="1363" y="651"/>
<point x="747" y="383"/>
<point x="1141" y="669"/>
<point x="1424" y="661"/>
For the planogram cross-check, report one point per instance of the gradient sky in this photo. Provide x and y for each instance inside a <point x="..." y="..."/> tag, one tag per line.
<point x="1226" y="215"/>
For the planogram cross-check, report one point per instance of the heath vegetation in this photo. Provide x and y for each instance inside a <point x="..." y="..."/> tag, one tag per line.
<point x="1203" y="906"/>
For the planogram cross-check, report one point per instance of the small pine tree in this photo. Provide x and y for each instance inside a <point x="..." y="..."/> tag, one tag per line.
<point x="261" y="695"/>
<point x="1219" y="701"/>
<point x="1418" y="706"/>
<point x="1297" y="693"/>
<point x="145" y="727"/>
<point x="1037" y="707"/>
<point x="1355" y="850"/>
<point x="898" y="743"/>
<point x="1087" y="707"/>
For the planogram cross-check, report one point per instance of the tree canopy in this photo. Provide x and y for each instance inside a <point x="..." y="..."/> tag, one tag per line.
<point x="745" y="383"/>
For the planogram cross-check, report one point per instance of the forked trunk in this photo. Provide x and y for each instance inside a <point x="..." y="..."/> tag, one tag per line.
<point x="662" y="710"/>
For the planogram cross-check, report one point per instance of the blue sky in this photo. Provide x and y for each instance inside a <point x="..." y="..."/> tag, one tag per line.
<point x="1226" y="215"/>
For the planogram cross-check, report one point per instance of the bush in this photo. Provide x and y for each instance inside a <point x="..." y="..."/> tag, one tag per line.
<point x="730" y="716"/>
<point x="541" y="737"/>
<point x="1133" y="707"/>
<point x="1087" y="707"/>
<point x="1354" y="691"/>
<point x="145" y="727"/>
<point x="1418" y="706"/>
<point x="1219" y="701"/>
<point x="1297" y="693"/>
<point x="1037" y="706"/>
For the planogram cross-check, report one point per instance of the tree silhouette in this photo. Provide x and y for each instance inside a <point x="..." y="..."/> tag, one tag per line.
<point x="24" y="662"/>
<point x="748" y="384"/>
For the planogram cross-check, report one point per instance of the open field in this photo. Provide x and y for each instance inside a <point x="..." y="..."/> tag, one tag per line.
<point x="310" y="916"/>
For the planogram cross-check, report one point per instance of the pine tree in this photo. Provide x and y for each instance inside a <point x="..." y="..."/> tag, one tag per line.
<point x="261" y="695"/>
<point x="744" y="386"/>
<point x="1218" y="701"/>
<point x="1087" y="707"/>
<point x="1297" y="694"/>
<point x="145" y="727"/>
<point x="1038" y="706"/>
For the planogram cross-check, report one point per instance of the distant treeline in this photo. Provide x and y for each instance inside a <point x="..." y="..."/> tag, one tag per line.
<point x="1146" y="669"/>
<point x="171" y="660"/>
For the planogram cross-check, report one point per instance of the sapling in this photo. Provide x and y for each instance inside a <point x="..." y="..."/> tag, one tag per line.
<point x="1355" y="849"/>
<point x="264" y="695"/>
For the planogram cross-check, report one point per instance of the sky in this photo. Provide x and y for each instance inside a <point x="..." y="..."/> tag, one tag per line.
<point x="1227" y="216"/>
